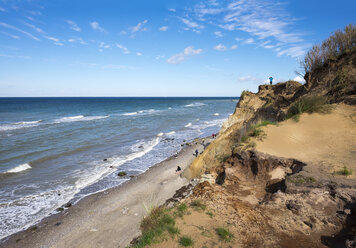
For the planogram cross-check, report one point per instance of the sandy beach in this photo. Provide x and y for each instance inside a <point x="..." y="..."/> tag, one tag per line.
<point x="110" y="218"/>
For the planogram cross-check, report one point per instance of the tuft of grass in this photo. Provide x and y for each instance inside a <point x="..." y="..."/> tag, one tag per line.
<point x="181" y="210"/>
<point x="345" y="172"/>
<point x="198" y="204"/>
<point x="186" y="241"/>
<point x="308" y="104"/>
<point x="210" y="214"/>
<point x="223" y="158"/>
<point x="224" y="234"/>
<point x="254" y="131"/>
<point x="155" y="225"/>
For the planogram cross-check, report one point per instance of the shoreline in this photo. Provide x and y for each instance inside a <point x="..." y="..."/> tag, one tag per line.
<point x="110" y="218"/>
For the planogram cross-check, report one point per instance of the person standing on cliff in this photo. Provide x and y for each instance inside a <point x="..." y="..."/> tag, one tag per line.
<point x="270" y="80"/>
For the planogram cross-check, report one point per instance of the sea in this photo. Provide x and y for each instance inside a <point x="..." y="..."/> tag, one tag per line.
<point x="56" y="150"/>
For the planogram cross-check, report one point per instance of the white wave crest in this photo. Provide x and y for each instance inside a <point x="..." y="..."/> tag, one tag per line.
<point x="171" y="133"/>
<point x="19" y="125"/>
<point x="216" y="114"/>
<point x="188" y="125"/>
<point x="79" y="118"/>
<point x="129" y="114"/>
<point x="196" y="104"/>
<point x="160" y="134"/>
<point x="19" y="168"/>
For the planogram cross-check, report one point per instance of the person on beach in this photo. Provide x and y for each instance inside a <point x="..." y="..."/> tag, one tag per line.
<point x="178" y="169"/>
<point x="196" y="152"/>
<point x="270" y="80"/>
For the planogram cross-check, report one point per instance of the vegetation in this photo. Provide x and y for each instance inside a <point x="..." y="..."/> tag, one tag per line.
<point x="243" y="93"/>
<point x="198" y="204"/>
<point x="186" y="241"/>
<point x="308" y="104"/>
<point x="255" y="131"/>
<point x="345" y="172"/>
<point x="155" y="225"/>
<point x="223" y="158"/>
<point x="122" y="174"/>
<point x="181" y="209"/>
<point x="224" y="234"/>
<point x="337" y="44"/>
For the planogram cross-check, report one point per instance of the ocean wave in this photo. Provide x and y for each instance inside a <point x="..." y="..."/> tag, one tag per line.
<point x="141" y="112"/>
<point x="160" y="134"/>
<point x="216" y="114"/>
<point x="188" y="125"/>
<point x="79" y="118"/>
<point x="19" y="168"/>
<point x="196" y="104"/>
<point x="19" y="125"/>
<point x="171" y="133"/>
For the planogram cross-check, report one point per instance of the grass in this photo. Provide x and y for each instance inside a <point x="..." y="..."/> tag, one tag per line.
<point x="308" y="104"/>
<point x="198" y="204"/>
<point x="254" y="131"/>
<point x="224" y="234"/>
<point x="223" y="158"/>
<point x="186" y="241"/>
<point x="155" y="225"/>
<point x="345" y="172"/>
<point x="210" y="214"/>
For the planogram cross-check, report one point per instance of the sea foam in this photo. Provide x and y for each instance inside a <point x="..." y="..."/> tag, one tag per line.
<point x="19" y="168"/>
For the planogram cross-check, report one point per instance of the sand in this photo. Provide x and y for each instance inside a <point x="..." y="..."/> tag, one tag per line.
<point x="328" y="140"/>
<point x="110" y="218"/>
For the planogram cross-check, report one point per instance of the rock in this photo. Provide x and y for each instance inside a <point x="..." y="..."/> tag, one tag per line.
<point x="111" y="167"/>
<point x="293" y="206"/>
<point x="122" y="174"/>
<point x="68" y="205"/>
<point x="220" y="179"/>
<point x="181" y="145"/>
<point x="308" y="224"/>
<point x="105" y="159"/>
<point x="140" y="147"/>
<point x="58" y="223"/>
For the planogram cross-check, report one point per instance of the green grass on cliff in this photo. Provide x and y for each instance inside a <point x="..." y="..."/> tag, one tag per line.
<point x="345" y="172"/>
<point x="308" y="104"/>
<point x="255" y="130"/>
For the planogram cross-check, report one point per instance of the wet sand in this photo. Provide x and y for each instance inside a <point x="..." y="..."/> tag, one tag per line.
<point x="110" y="218"/>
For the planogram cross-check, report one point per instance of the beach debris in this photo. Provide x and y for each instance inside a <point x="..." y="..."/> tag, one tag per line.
<point x="140" y="147"/>
<point x="122" y="174"/>
<point x="105" y="159"/>
<point x="60" y="209"/>
<point x="68" y="205"/>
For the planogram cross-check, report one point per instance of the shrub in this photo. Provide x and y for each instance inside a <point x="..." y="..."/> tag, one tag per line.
<point x="155" y="225"/>
<point x="337" y="44"/>
<point x="198" y="204"/>
<point x="308" y="104"/>
<point x="186" y="241"/>
<point x="345" y="172"/>
<point x="224" y="234"/>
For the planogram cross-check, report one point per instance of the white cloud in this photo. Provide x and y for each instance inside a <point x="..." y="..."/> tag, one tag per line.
<point x="158" y="57"/>
<point x="233" y="47"/>
<point x="77" y="40"/>
<point x="102" y="45"/>
<point x="11" y="35"/>
<point x="34" y="27"/>
<point x="220" y="47"/>
<point x="249" y="41"/>
<point x="299" y="79"/>
<point x="139" y="27"/>
<point x="5" y="25"/>
<point x="74" y="26"/>
<point x="2" y="9"/>
<point x="59" y="43"/>
<point x="191" y="25"/>
<point x="180" y="57"/>
<point x="15" y="56"/>
<point x="294" y="51"/>
<point x="172" y="10"/>
<point x="218" y="34"/>
<point x="139" y="54"/>
<point x="123" y="48"/>
<point x="96" y="26"/>
<point x="52" y="38"/>
<point x="163" y="28"/>
<point x="249" y="79"/>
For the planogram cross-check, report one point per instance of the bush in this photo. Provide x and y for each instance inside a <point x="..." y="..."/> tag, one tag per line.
<point x="198" y="204"/>
<point x="186" y="241"/>
<point x="345" y="172"/>
<point x="224" y="234"/>
<point x="308" y="104"/>
<point x="155" y="225"/>
<point x="337" y="44"/>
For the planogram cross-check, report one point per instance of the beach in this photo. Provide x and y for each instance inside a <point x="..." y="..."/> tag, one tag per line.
<point x="110" y="218"/>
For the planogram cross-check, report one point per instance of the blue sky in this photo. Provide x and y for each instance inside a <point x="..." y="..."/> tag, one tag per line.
<point x="158" y="47"/>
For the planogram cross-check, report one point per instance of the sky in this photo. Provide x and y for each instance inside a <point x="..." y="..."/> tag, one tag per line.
<point x="158" y="47"/>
